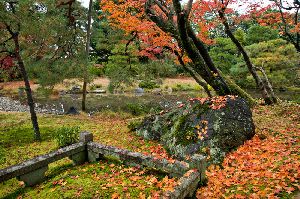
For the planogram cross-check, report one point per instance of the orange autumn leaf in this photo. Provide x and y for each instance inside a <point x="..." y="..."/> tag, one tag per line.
<point x="261" y="168"/>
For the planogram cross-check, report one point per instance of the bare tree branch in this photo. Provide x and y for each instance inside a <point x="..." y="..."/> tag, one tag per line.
<point x="166" y="25"/>
<point x="160" y="5"/>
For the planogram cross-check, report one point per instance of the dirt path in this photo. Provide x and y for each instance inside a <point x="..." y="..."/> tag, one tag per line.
<point x="104" y="82"/>
<point x="15" y="85"/>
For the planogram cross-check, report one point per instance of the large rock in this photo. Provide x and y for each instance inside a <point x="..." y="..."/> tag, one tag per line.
<point x="75" y="90"/>
<point x="72" y="111"/>
<point x="209" y="126"/>
<point x="98" y="91"/>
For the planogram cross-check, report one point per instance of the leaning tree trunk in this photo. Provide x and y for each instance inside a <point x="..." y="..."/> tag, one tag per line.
<point x="37" y="135"/>
<point x="87" y="50"/>
<point x="201" y="59"/>
<point x="210" y="75"/>
<point x="263" y="88"/>
<point x="193" y="75"/>
<point x="234" y="88"/>
<point x="268" y="84"/>
<point x="195" y="49"/>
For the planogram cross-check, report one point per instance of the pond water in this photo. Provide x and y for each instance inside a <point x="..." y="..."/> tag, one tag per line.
<point x="128" y="102"/>
<point x="131" y="102"/>
<point x="283" y="95"/>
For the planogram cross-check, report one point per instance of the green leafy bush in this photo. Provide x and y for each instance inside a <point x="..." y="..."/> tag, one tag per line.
<point x="148" y="84"/>
<point x="44" y="91"/>
<point x="97" y="71"/>
<point x="65" y="136"/>
<point x="134" y="124"/>
<point x="182" y="87"/>
<point x="279" y="59"/>
<point x="158" y="68"/>
<point x="136" y="108"/>
<point x="95" y="86"/>
<point x="259" y="33"/>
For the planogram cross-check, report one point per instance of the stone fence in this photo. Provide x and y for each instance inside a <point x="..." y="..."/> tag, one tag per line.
<point x="33" y="171"/>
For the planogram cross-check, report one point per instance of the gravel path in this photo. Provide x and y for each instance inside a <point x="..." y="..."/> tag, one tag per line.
<point x="10" y="105"/>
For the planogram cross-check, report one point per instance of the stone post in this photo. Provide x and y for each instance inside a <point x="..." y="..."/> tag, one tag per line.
<point x="34" y="177"/>
<point x="82" y="157"/>
<point x="199" y="162"/>
<point x="85" y="137"/>
<point x="90" y="156"/>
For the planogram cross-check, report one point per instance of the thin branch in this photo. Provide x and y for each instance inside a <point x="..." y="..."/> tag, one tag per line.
<point x="8" y="28"/>
<point x="297" y="34"/>
<point x="135" y="34"/>
<point x="286" y="32"/>
<point x="6" y="51"/>
<point x="163" y="8"/>
<point x="165" y="25"/>
<point x="3" y="43"/>
<point x="296" y="5"/>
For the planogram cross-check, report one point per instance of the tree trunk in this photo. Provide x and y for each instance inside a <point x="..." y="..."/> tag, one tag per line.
<point x="193" y="75"/>
<point x="233" y="87"/>
<point x="201" y="61"/>
<point x="37" y="135"/>
<point x="201" y="83"/>
<point x="268" y="84"/>
<point x="210" y="76"/>
<point x="266" y="96"/>
<point x="87" y="49"/>
<point x="84" y="92"/>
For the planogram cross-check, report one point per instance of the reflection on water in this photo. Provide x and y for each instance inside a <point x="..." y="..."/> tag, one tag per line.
<point x="117" y="102"/>
<point x="283" y="95"/>
<point x="127" y="101"/>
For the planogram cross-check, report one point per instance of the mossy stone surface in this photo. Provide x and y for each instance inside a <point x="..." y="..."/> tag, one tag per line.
<point x="210" y="126"/>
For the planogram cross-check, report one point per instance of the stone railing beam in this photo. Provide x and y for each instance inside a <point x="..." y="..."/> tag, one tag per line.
<point x="38" y="162"/>
<point x="33" y="171"/>
<point x="175" y="167"/>
<point x="186" y="186"/>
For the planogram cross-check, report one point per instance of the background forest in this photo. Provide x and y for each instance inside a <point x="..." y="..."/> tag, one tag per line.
<point x="124" y="59"/>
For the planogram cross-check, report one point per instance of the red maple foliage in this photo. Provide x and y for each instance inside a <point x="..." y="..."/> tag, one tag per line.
<point x="6" y="62"/>
<point x="130" y="17"/>
<point x="281" y="16"/>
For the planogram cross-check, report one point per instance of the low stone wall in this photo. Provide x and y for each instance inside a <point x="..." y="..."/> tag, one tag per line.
<point x="30" y="166"/>
<point x="33" y="171"/>
<point x="186" y="185"/>
<point x="176" y="168"/>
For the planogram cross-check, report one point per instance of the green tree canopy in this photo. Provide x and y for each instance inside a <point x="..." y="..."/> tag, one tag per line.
<point x="279" y="59"/>
<point x="50" y="35"/>
<point x="257" y="33"/>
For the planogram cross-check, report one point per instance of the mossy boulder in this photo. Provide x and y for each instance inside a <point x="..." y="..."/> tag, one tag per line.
<point x="209" y="126"/>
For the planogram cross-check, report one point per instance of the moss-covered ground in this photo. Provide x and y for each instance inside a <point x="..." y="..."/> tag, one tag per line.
<point x="262" y="159"/>
<point x="103" y="179"/>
